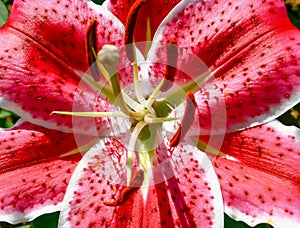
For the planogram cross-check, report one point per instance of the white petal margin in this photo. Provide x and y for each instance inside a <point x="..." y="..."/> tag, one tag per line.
<point x="106" y="162"/>
<point x="110" y="168"/>
<point x="16" y="217"/>
<point x="275" y="221"/>
<point x="77" y="175"/>
<point x="160" y="30"/>
<point x="218" y="221"/>
<point x="11" y="106"/>
<point x="103" y="10"/>
<point x="273" y="113"/>
<point x="181" y="165"/>
<point x="288" y="130"/>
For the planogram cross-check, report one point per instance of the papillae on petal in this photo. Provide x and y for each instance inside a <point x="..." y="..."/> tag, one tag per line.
<point x="188" y="196"/>
<point x="251" y="49"/>
<point x="33" y="176"/>
<point x="260" y="180"/>
<point x="153" y="11"/>
<point x="42" y="49"/>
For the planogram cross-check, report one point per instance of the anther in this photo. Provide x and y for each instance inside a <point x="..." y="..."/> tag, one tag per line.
<point x="129" y="28"/>
<point x="91" y="48"/>
<point x="172" y="56"/>
<point x="187" y="120"/>
<point x="135" y="183"/>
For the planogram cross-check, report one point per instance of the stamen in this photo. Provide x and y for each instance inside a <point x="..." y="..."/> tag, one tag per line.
<point x="102" y="68"/>
<point x="79" y="149"/>
<point x="91" y="114"/>
<point x="148" y="37"/>
<point x="91" y="47"/>
<point x="138" y="92"/>
<point x="187" y="120"/>
<point x="172" y="56"/>
<point x="129" y="27"/>
<point x="150" y="118"/>
<point x="203" y="146"/>
<point x="109" y="55"/>
<point x="174" y="98"/>
<point x="136" y="182"/>
<point x="174" y="141"/>
<point x="98" y="86"/>
<point x="155" y="94"/>
<point x="131" y="103"/>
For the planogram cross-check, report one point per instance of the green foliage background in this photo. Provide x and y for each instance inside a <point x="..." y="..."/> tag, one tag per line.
<point x="7" y="119"/>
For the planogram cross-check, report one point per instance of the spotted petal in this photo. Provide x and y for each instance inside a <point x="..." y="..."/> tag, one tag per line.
<point x="152" y="12"/>
<point x="42" y="45"/>
<point x="187" y="197"/>
<point x="33" y="176"/>
<point x="251" y="48"/>
<point x="261" y="183"/>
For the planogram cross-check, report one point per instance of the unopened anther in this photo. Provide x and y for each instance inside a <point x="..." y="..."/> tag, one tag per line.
<point x="129" y="28"/>
<point x="187" y="120"/>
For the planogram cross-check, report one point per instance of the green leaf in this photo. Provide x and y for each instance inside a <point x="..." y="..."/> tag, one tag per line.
<point x="4" y="114"/>
<point x="7" y="119"/>
<point x="230" y="223"/>
<point x="3" y="13"/>
<point x="294" y="19"/>
<point x="7" y="1"/>
<point x="46" y="221"/>
<point x="99" y="2"/>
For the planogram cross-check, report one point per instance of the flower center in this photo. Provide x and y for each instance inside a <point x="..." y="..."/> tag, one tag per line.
<point x="146" y="113"/>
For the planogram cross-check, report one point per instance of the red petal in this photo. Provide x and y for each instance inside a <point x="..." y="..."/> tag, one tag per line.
<point x="33" y="177"/>
<point x="102" y="171"/>
<point x="40" y="46"/>
<point x="95" y="180"/>
<point x="33" y="190"/>
<point x="61" y="26"/>
<point x="190" y="195"/>
<point x="262" y="185"/>
<point x="251" y="47"/>
<point x="258" y="197"/>
<point x="154" y="11"/>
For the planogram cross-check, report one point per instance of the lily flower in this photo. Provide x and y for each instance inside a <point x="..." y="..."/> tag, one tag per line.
<point x="244" y="56"/>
